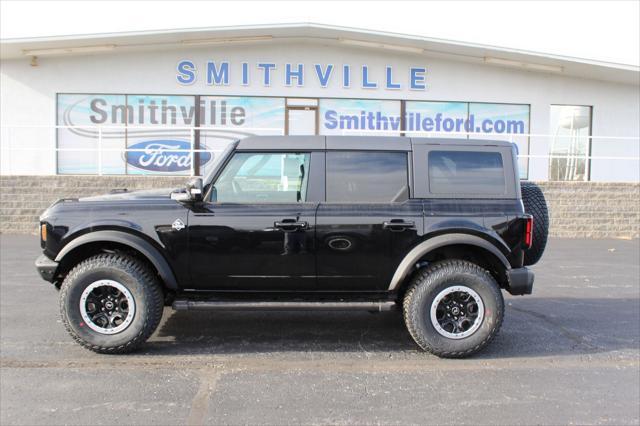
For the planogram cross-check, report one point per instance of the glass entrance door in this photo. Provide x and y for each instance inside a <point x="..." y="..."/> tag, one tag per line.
<point x="302" y="121"/>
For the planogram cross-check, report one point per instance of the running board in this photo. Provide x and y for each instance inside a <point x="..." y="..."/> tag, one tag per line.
<point x="239" y="305"/>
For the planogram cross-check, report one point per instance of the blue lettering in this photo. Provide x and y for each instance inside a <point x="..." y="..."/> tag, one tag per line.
<point x="186" y="72"/>
<point x="330" y="119"/>
<point x="394" y="122"/>
<point x="366" y="84"/>
<point x="427" y="124"/>
<point x="390" y="83"/>
<point x="346" y="76"/>
<point x="267" y="72"/>
<point x="417" y="78"/>
<point x="217" y="76"/>
<point x="323" y="77"/>
<point x="289" y="74"/>
<point x="245" y="74"/>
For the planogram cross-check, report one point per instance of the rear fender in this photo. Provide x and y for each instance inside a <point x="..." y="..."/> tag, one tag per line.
<point x="408" y="262"/>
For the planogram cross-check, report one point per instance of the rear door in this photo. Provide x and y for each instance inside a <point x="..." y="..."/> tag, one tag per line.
<point x="367" y="220"/>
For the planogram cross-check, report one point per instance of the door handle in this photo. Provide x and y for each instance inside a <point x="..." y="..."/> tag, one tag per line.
<point x="398" y="225"/>
<point x="292" y="225"/>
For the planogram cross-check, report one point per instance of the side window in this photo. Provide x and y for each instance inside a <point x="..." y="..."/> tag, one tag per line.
<point x="465" y="172"/>
<point x="367" y="177"/>
<point x="252" y="177"/>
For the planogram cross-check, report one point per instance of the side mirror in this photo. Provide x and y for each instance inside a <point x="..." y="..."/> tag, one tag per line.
<point x="194" y="189"/>
<point x="192" y="192"/>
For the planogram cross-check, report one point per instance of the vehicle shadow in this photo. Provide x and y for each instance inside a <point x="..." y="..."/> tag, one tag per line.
<point x="533" y="327"/>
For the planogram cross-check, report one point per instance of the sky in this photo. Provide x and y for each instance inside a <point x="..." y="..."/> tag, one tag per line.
<point x="599" y="30"/>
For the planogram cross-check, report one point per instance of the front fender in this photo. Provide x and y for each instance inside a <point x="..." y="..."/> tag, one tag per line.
<point x="149" y="251"/>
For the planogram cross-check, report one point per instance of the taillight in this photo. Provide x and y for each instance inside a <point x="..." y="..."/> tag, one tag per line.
<point x="528" y="232"/>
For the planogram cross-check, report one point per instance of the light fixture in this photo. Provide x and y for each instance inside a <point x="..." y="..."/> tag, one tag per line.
<point x="523" y="65"/>
<point x="375" y="45"/>
<point x="225" y="40"/>
<point x="68" y="50"/>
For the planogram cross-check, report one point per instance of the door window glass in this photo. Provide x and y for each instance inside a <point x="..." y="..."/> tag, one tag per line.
<point x="464" y="172"/>
<point x="264" y="178"/>
<point x="367" y="177"/>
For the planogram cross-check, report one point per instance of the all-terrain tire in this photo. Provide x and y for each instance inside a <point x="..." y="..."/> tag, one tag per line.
<point x="423" y="290"/>
<point x="535" y="205"/>
<point x="137" y="278"/>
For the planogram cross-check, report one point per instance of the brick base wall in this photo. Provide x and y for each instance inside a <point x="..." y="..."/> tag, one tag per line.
<point x="593" y="209"/>
<point x="577" y="209"/>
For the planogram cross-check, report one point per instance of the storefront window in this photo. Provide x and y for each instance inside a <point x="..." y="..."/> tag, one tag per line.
<point x="159" y="132"/>
<point x="438" y="119"/>
<point x="351" y="117"/>
<point x="78" y="136"/>
<point x="156" y="130"/>
<point x="569" y="148"/>
<point x="505" y="122"/>
<point x="231" y="118"/>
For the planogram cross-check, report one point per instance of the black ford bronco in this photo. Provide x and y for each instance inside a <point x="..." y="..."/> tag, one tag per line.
<point x="434" y="227"/>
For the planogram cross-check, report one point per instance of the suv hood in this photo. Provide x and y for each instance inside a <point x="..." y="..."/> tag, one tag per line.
<point x="149" y="194"/>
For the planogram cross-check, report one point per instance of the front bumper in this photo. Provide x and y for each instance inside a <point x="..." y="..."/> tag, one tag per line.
<point x="520" y="281"/>
<point x="46" y="267"/>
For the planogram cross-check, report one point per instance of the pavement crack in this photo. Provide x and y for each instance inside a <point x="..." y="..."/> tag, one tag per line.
<point x="201" y="400"/>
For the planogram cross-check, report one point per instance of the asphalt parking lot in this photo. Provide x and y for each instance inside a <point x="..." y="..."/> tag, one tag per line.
<point x="569" y="354"/>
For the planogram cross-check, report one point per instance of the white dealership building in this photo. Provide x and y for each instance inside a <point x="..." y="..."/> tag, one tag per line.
<point x="166" y="102"/>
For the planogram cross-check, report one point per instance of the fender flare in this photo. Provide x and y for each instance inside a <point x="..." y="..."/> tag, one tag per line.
<point x="405" y="266"/>
<point x="149" y="251"/>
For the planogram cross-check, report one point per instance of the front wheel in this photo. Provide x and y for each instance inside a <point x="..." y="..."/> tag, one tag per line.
<point x="453" y="308"/>
<point x="111" y="303"/>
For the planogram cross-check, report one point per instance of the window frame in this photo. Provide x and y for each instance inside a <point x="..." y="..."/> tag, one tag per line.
<point x="409" y="171"/>
<point x="421" y="167"/>
<point x="314" y="191"/>
<point x="588" y="160"/>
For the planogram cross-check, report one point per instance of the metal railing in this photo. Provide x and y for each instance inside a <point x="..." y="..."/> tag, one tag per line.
<point x="21" y="138"/>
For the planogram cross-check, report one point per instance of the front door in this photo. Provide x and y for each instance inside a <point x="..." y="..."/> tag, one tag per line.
<point x="257" y="231"/>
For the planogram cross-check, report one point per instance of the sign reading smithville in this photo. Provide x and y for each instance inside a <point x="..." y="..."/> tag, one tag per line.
<point x="224" y="73"/>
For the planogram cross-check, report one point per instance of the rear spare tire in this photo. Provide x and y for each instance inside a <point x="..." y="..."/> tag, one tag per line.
<point x="535" y="205"/>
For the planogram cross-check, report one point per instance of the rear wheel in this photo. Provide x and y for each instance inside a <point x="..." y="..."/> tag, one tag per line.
<point x="111" y="303"/>
<point x="535" y="205"/>
<point x="453" y="308"/>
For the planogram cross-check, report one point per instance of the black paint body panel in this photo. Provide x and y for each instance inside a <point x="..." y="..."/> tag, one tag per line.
<point x="341" y="247"/>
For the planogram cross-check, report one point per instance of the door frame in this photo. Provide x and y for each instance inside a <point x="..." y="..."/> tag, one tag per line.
<point x="302" y="108"/>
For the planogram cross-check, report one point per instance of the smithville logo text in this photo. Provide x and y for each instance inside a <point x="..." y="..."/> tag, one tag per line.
<point x="221" y="73"/>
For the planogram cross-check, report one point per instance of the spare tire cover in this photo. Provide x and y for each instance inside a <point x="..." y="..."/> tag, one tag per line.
<point x="536" y="206"/>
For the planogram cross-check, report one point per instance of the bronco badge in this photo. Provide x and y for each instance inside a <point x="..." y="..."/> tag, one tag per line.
<point x="178" y="225"/>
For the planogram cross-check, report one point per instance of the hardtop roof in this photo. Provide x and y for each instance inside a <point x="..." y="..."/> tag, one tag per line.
<point x="365" y="143"/>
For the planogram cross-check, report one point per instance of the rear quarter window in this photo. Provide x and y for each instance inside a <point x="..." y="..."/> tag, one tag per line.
<point x="466" y="172"/>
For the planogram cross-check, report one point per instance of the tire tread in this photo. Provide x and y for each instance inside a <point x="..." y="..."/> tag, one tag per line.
<point x="138" y="270"/>
<point x="409" y="307"/>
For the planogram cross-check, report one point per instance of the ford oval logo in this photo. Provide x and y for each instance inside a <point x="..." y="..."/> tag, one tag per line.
<point x="164" y="156"/>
